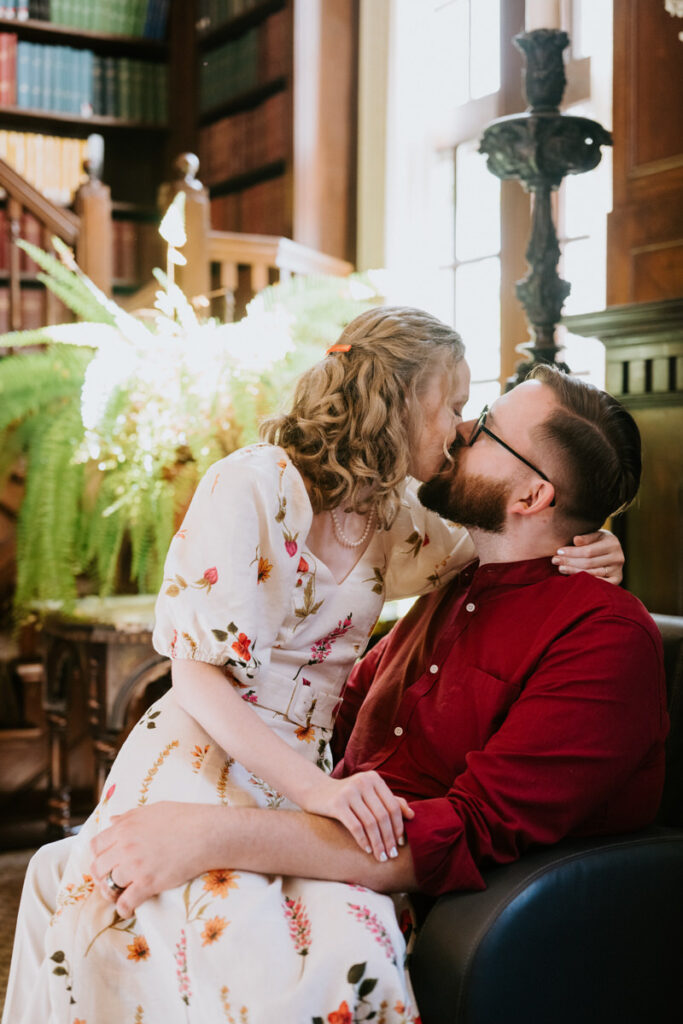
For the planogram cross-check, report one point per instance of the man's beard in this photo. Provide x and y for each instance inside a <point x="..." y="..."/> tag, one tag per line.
<point x="473" y="501"/>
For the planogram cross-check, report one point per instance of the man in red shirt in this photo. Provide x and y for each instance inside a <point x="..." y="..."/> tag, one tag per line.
<point x="514" y="707"/>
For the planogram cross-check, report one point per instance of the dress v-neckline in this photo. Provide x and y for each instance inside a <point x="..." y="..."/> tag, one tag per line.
<point x="352" y="570"/>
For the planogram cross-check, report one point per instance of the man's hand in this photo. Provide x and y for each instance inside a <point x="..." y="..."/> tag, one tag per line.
<point x="151" y="849"/>
<point x="599" y="554"/>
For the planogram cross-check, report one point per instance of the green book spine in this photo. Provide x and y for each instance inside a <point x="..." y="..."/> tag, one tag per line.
<point x="136" y="90"/>
<point x="124" y="93"/>
<point x="98" y="84"/>
<point x="110" y="87"/>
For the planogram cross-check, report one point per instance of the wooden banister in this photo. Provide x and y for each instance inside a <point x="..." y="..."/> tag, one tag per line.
<point x="88" y="231"/>
<point x="58" y="221"/>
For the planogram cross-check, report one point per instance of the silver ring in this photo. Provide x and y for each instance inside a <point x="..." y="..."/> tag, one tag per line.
<point x="115" y="889"/>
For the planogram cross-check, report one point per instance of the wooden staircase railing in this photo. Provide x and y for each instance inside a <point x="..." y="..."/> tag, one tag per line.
<point x="246" y="264"/>
<point x="88" y="231"/>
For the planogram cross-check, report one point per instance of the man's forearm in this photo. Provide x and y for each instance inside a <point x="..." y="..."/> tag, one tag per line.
<point x="151" y="849"/>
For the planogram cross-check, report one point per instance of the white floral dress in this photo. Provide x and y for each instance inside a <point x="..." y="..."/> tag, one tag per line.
<point x="242" y="590"/>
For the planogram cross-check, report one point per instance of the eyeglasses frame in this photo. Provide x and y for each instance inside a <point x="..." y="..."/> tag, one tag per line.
<point x="481" y="428"/>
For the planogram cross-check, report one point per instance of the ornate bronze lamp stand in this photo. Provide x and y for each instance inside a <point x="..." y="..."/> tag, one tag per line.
<point x="540" y="147"/>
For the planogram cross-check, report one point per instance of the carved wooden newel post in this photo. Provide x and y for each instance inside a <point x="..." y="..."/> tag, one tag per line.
<point x="540" y="147"/>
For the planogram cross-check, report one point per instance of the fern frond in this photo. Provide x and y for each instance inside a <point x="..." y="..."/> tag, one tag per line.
<point x="68" y="285"/>
<point x="33" y="381"/>
<point x="49" y="515"/>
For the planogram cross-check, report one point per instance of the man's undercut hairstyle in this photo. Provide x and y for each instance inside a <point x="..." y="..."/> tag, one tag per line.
<point x="595" y="446"/>
<point x="349" y="429"/>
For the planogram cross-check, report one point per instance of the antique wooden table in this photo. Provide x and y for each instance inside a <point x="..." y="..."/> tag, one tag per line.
<point x="104" y="645"/>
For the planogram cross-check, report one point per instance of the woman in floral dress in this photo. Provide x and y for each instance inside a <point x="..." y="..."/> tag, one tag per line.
<point x="273" y="585"/>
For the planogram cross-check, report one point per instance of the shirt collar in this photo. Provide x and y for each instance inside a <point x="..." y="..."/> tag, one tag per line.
<point x="498" y="574"/>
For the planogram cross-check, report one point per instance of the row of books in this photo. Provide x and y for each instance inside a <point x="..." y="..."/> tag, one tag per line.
<point x="33" y="309"/>
<point x="64" y="80"/>
<point x="245" y="141"/>
<point x="254" y="58"/>
<point x="258" y="210"/>
<point x="136" y="247"/>
<point x="29" y="229"/>
<point x="212" y="13"/>
<point x="52" y="164"/>
<point x="145" y="18"/>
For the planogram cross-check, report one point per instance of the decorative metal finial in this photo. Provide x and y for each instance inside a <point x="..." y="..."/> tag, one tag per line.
<point x="540" y="147"/>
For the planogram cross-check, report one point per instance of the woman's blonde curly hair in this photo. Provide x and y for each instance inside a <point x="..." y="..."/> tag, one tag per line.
<point x="356" y="414"/>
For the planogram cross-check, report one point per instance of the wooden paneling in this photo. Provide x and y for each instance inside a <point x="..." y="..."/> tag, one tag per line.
<point x="645" y="230"/>
<point x="644" y="346"/>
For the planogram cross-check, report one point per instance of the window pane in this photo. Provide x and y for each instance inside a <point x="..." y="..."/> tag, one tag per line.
<point x="477" y="315"/>
<point x="481" y="394"/>
<point x="583" y="265"/>
<point x="442" y="208"/>
<point x="485" y="48"/>
<point x="585" y="357"/>
<point x="477" y="216"/>
<point x="449" y="50"/>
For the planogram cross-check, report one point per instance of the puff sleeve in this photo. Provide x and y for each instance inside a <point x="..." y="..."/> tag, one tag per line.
<point x="424" y="551"/>
<point x="231" y="567"/>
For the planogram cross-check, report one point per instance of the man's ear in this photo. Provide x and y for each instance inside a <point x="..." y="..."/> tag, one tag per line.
<point x="539" y="496"/>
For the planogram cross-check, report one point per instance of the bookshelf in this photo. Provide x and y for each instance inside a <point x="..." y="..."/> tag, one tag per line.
<point x="262" y="90"/>
<point x="95" y="67"/>
<point x="275" y="117"/>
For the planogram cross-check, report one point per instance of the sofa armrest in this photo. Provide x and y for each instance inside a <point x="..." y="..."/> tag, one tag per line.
<point x="588" y="931"/>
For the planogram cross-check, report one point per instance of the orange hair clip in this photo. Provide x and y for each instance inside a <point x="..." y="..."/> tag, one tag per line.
<point x="338" y="348"/>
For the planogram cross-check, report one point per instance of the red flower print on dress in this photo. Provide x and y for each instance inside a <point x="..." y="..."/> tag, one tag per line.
<point x="375" y="927"/>
<point x="341" y="1016"/>
<point x="241" y="646"/>
<point x="291" y="547"/>
<point x="208" y="580"/>
<point x="299" y="925"/>
<point x="322" y="648"/>
<point x="303" y="565"/>
<point x="109" y="794"/>
<point x="181" y="968"/>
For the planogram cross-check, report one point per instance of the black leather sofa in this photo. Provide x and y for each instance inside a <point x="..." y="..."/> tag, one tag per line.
<point x="587" y="932"/>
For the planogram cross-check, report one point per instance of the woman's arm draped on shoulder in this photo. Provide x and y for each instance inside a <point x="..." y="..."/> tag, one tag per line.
<point x="424" y="551"/>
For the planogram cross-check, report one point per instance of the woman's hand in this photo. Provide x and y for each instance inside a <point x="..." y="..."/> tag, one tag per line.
<point x="599" y="554"/>
<point x="365" y="805"/>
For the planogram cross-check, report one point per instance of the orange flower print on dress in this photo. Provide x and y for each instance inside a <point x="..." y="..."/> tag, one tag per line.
<point x="264" y="569"/>
<point x="220" y="881"/>
<point x="341" y="1016"/>
<point x="138" y="949"/>
<point x="303" y="565"/>
<point x="306" y="733"/>
<point x="213" y="930"/>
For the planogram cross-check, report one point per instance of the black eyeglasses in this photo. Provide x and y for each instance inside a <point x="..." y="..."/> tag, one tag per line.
<point x="481" y="428"/>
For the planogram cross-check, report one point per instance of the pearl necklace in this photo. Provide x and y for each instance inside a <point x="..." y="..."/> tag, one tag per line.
<point x="341" y="536"/>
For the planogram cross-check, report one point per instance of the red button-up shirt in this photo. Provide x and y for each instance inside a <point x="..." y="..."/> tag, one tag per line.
<point x="516" y="706"/>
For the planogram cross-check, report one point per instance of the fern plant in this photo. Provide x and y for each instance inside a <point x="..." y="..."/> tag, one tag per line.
<point x="117" y="417"/>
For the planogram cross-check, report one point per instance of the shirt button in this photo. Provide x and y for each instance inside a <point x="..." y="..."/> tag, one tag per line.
<point x="470" y="606"/>
<point x="398" y="731"/>
<point x="433" y="669"/>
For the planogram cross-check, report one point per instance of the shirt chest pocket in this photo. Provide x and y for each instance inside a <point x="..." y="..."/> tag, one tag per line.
<point x="465" y="713"/>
